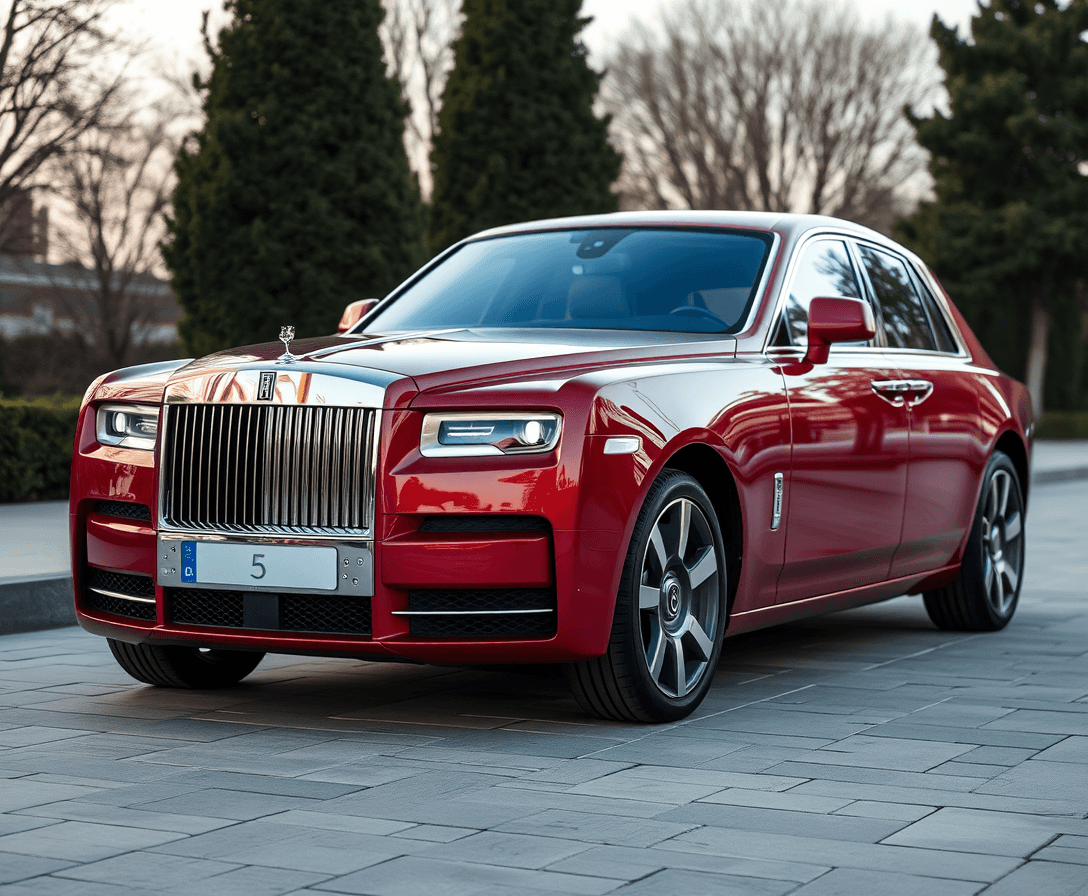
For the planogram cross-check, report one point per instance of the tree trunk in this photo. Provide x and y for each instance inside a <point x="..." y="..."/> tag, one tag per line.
<point x="1037" y="344"/>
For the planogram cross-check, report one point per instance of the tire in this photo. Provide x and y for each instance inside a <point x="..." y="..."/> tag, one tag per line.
<point x="184" y="667"/>
<point x="670" y="612"/>
<point x="984" y="594"/>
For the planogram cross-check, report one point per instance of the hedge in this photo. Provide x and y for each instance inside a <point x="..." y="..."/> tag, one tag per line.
<point x="1063" y="425"/>
<point x="36" y="438"/>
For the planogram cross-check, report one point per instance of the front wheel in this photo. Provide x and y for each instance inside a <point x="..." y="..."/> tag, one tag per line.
<point x="184" y="667"/>
<point x="984" y="595"/>
<point x="670" y="612"/>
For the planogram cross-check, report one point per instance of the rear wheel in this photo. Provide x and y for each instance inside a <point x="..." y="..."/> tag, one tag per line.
<point x="984" y="595"/>
<point x="670" y="612"/>
<point x="184" y="667"/>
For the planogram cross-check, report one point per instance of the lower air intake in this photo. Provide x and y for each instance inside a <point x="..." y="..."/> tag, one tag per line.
<point x="482" y="613"/>
<point x="295" y="613"/>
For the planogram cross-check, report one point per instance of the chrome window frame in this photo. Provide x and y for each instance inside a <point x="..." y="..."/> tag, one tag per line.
<point x="784" y="291"/>
<point x="920" y="281"/>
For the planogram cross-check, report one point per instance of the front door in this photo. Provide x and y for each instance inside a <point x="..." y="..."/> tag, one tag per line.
<point x="844" y="502"/>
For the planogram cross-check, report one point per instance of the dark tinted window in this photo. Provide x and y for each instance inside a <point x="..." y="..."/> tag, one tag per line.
<point x="824" y="271"/>
<point x="945" y="340"/>
<point x="692" y="281"/>
<point x="905" y="321"/>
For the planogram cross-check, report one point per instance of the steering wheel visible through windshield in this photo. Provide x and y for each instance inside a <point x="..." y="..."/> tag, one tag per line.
<point x="678" y="280"/>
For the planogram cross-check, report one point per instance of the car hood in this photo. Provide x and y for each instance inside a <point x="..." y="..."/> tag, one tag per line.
<point x="439" y="358"/>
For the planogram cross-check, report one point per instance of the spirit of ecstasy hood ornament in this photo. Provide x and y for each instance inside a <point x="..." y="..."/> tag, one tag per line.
<point x="286" y="335"/>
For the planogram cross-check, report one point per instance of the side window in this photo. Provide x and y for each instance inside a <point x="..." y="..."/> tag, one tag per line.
<point x="905" y="321"/>
<point x="823" y="271"/>
<point x="945" y="341"/>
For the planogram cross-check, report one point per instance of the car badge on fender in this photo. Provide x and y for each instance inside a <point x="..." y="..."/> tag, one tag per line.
<point x="286" y="335"/>
<point x="267" y="387"/>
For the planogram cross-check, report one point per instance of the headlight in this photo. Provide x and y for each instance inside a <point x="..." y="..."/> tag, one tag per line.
<point x="477" y="435"/>
<point x="128" y="425"/>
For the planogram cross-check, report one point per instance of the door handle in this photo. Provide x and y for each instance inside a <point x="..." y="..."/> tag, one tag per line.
<point x="919" y="391"/>
<point x="892" y="391"/>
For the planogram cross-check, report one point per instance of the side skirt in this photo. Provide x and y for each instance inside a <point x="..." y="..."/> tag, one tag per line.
<point x="750" y="620"/>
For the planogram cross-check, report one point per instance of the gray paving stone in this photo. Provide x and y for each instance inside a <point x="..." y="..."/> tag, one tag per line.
<point x="514" y="850"/>
<point x="627" y="863"/>
<point x="78" y="841"/>
<point x="1040" y="780"/>
<point x="587" y="827"/>
<point x="1067" y="849"/>
<point x="77" y="810"/>
<point x="15" y="867"/>
<point x="294" y="847"/>
<point x="236" y="804"/>
<point x="778" y="821"/>
<point x="700" y="882"/>
<point x="893" y="811"/>
<point x="252" y="881"/>
<point x="1072" y="749"/>
<point x="1008" y="756"/>
<point x="145" y="870"/>
<point x="887" y="752"/>
<point x="843" y="853"/>
<point x="851" y="882"/>
<point x="1042" y="722"/>
<point x="434" y="833"/>
<point x="1051" y="878"/>
<point x="771" y="799"/>
<point x="976" y="831"/>
<point x="417" y="876"/>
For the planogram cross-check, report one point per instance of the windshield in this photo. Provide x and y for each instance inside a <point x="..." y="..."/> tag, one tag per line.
<point x="687" y="281"/>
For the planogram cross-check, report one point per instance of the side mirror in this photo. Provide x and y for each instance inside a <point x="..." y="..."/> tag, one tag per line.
<point x="355" y="313"/>
<point x="837" y="320"/>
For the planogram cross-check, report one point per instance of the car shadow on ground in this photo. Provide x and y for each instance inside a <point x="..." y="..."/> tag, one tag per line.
<point x="349" y="695"/>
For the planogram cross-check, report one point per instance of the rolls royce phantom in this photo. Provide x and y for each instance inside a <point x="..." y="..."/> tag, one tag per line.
<point x="608" y="442"/>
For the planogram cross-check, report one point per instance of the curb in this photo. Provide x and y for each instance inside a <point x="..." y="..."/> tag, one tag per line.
<point x="34" y="604"/>
<point x="1069" y="475"/>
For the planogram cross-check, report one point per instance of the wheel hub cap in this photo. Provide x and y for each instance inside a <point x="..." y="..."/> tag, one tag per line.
<point x="671" y="597"/>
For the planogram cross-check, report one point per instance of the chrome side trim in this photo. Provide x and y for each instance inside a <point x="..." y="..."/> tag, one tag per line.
<point x="776" y="515"/>
<point x="120" y="596"/>
<point x="467" y="612"/>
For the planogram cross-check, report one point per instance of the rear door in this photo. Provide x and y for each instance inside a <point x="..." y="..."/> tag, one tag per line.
<point x="946" y="455"/>
<point x="844" y="501"/>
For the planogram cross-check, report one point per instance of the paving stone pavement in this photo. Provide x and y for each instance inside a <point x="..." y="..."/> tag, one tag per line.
<point x="858" y="753"/>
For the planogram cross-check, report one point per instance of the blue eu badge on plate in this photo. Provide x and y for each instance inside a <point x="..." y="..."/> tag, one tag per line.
<point x="188" y="561"/>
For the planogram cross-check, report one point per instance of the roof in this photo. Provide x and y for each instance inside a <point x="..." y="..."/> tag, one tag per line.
<point x="789" y="225"/>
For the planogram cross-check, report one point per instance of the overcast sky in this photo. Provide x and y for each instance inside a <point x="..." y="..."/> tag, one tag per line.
<point x="173" y="26"/>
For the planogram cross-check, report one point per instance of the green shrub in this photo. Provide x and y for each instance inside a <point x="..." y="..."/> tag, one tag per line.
<point x="1063" y="425"/>
<point x="36" y="438"/>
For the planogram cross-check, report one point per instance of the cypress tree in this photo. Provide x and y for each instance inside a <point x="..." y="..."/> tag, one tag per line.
<point x="517" y="136"/>
<point x="296" y="197"/>
<point x="1008" y="230"/>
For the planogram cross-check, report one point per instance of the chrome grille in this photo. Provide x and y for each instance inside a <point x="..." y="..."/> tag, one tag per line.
<point x="268" y="468"/>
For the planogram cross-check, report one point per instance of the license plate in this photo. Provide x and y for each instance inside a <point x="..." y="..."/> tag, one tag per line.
<point x="258" y="565"/>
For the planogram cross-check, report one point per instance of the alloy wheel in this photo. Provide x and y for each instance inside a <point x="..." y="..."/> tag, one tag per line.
<point x="679" y="598"/>
<point x="1002" y="542"/>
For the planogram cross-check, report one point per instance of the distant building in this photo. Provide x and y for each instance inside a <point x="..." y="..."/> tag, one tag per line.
<point x="38" y="298"/>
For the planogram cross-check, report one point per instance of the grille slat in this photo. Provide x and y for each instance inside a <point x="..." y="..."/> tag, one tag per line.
<point x="252" y="468"/>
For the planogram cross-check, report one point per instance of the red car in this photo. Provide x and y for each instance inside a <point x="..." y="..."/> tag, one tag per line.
<point x="606" y="441"/>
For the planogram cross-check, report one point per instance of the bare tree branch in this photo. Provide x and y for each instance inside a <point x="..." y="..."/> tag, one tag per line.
<point x="113" y="189"/>
<point x="418" y="37"/>
<point x="54" y="86"/>
<point x="786" y="106"/>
